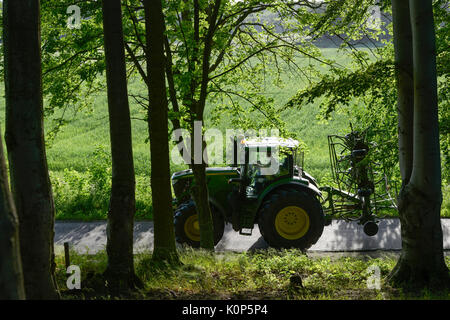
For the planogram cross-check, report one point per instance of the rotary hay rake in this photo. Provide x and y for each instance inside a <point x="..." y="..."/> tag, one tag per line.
<point x="362" y="190"/>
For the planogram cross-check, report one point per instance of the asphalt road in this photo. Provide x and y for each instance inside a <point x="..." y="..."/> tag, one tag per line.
<point x="340" y="236"/>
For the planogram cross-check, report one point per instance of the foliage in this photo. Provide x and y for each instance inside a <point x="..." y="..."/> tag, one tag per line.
<point x="228" y="58"/>
<point x="445" y="208"/>
<point x="366" y="91"/>
<point x="85" y="195"/>
<point x="442" y="8"/>
<point x="242" y="47"/>
<point x="72" y="58"/>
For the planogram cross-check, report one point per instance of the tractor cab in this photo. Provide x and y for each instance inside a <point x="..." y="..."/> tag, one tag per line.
<point x="267" y="160"/>
<point x="266" y="164"/>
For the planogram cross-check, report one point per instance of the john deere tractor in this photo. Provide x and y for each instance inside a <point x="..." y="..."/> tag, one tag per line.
<point x="266" y="185"/>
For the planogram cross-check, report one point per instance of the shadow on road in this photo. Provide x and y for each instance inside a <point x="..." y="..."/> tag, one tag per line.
<point x="350" y="236"/>
<point x="259" y="244"/>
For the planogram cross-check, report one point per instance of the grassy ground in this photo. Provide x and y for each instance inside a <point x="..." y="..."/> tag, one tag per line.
<point x="265" y="274"/>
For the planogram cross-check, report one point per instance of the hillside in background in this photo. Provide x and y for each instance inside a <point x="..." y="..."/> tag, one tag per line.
<point x="333" y="41"/>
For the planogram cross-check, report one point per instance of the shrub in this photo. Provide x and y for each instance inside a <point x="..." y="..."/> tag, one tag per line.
<point x="85" y="195"/>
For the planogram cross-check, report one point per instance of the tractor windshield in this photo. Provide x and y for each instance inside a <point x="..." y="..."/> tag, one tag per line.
<point x="267" y="162"/>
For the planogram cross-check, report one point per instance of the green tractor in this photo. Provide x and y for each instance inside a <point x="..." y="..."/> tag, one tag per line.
<point x="267" y="186"/>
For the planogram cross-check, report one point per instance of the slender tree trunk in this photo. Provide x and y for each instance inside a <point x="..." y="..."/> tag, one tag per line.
<point x="24" y="137"/>
<point x="11" y="277"/>
<point x="120" y="270"/>
<point x="164" y="244"/>
<point x="421" y="264"/>
<point x="200" y="186"/>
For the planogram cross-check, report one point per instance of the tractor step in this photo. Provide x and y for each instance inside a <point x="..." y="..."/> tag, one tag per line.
<point x="246" y="231"/>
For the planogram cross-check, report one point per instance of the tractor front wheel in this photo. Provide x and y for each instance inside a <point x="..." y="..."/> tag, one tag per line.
<point x="187" y="228"/>
<point x="291" y="219"/>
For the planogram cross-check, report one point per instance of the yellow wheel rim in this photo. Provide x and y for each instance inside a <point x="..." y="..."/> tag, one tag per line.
<point x="192" y="228"/>
<point x="292" y="222"/>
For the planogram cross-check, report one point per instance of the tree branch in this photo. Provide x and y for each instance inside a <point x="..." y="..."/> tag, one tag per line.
<point x="137" y="64"/>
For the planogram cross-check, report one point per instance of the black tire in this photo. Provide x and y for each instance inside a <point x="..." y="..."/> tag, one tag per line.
<point x="183" y="215"/>
<point x="306" y="208"/>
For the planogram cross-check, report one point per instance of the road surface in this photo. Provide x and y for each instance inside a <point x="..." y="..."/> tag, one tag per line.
<point x="90" y="237"/>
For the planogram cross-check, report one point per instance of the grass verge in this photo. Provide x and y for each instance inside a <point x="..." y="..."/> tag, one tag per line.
<point x="265" y="274"/>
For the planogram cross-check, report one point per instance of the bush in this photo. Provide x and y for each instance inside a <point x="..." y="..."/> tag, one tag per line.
<point x="445" y="208"/>
<point x="85" y="195"/>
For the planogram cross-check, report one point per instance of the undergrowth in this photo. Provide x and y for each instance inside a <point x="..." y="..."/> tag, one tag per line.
<point x="263" y="274"/>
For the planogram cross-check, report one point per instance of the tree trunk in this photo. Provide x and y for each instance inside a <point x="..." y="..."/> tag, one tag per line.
<point x="200" y="194"/>
<point x="164" y="244"/>
<point x="405" y="85"/>
<point x="421" y="264"/>
<point x="24" y="137"/>
<point x="120" y="269"/>
<point x="200" y="190"/>
<point x="200" y="185"/>
<point x="11" y="277"/>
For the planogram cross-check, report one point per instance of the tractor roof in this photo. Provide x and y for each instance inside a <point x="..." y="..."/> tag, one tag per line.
<point x="269" y="142"/>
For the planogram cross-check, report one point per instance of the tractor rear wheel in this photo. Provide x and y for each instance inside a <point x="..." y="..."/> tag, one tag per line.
<point x="291" y="219"/>
<point x="187" y="229"/>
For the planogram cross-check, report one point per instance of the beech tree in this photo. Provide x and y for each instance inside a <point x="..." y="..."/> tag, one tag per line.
<point x="164" y="242"/>
<point x="11" y="277"/>
<point x="421" y="263"/>
<point x="413" y="105"/>
<point x="120" y="270"/>
<point x="24" y="137"/>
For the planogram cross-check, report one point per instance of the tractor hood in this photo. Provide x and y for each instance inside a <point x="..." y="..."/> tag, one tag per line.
<point x="216" y="171"/>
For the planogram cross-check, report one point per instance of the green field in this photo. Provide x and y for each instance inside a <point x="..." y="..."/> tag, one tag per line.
<point x="74" y="146"/>
<point x="79" y="163"/>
